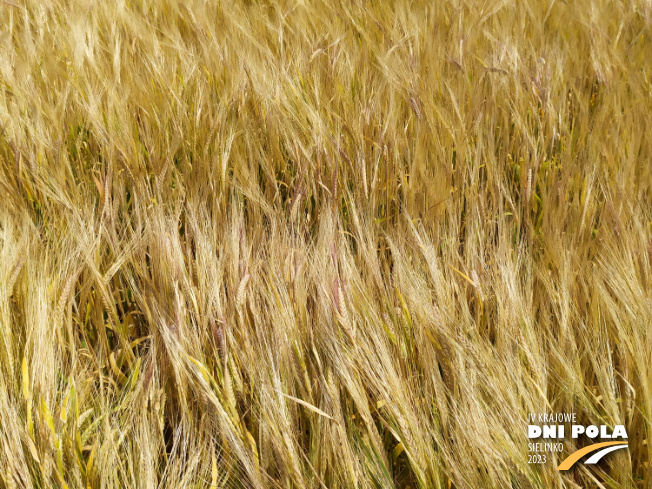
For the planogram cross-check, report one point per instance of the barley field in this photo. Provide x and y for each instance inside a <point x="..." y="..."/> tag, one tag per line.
<point x="323" y="244"/>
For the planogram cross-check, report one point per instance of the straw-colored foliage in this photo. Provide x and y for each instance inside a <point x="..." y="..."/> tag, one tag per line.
<point x="322" y="244"/>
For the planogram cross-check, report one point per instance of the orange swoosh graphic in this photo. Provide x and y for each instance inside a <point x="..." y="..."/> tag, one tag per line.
<point x="571" y="459"/>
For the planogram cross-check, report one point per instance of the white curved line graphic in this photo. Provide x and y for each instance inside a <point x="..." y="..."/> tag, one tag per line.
<point x="597" y="456"/>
